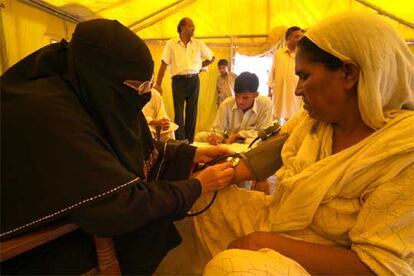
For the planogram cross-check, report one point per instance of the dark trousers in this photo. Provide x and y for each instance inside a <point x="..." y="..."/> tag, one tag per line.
<point x="185" y="90"/>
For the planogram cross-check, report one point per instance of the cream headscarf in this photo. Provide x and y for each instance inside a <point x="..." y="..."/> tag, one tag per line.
<point x="387" y="67"/>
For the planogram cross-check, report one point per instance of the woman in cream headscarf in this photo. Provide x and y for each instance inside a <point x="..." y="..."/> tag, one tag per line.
<point x="344" y="202"/>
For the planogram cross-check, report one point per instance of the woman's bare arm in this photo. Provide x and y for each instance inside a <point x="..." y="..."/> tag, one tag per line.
<point x="241" y="173"/>
<point x="315" y="258"/>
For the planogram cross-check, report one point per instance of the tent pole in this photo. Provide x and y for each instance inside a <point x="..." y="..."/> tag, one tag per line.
<point x="232" y="53"/>
<point x="231" y="43"/>
<point x="134" y="26"/>
<point x="154" y="13"/>
<point x="390" y="15"/>
<point x="52" y="10"/>
<point x="268" y="15"/>
<point x="112" y="6"/>
<point x="212" y="37"/>
<point x="223" y="44"/>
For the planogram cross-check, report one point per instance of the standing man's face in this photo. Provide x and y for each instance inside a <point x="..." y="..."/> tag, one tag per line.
<point x="188" y="29"/>
<point x="222" y="69"/>
<point x="293" y="39"/>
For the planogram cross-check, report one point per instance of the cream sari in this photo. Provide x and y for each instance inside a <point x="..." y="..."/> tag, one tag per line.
<point x="341" y="199"/>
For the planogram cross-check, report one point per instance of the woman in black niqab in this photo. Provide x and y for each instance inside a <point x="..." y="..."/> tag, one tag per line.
<point x="75" y="144"/>
<point x="102" y="63"/>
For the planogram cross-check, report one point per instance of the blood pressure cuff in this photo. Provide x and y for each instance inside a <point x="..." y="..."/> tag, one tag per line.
<point x="265" y="159"/>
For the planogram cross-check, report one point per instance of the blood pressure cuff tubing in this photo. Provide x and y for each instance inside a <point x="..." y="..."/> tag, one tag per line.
<point x="265" y="159"/>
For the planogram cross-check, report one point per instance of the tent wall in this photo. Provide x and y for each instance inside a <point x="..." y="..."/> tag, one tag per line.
<point x="245" y="17"/>
<point x="27" y="29"/>
<point x="236" y="17"/>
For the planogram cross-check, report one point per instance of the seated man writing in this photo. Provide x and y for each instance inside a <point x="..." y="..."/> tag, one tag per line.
<point x="239" y="118"/>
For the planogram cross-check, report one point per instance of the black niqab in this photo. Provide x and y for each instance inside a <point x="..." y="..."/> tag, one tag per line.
<point x="106" y="54"/>
<point x="72" y="132"/>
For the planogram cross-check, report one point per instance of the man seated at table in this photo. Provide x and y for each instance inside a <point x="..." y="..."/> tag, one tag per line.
<point x="239" y="118"/>
<point x="158" y="121"/>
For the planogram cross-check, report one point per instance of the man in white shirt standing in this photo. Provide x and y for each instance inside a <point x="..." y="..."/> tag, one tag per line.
<point x="240" y="118"/>
<point x="185" y="57"/>
<point x="282" y="79"/>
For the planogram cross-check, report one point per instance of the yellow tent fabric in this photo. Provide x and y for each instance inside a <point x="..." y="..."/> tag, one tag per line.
<point x="227" y="26"/>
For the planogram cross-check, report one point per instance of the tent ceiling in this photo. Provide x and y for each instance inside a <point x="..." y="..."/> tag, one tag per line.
<point x="225" y="17"/>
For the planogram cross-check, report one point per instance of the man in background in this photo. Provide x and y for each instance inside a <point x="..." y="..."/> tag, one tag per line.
<point x="282" y="78"/>
<point x="240" y="118"/>
<point x="158" y="121"/>
<point x="185" y="56"/>
<point x="225" y="82"/>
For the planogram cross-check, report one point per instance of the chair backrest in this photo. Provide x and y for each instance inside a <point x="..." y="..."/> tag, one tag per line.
<point x="107" y="260"/>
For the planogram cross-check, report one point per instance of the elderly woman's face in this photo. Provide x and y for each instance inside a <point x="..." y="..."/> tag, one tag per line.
<point x="322" y="89"/>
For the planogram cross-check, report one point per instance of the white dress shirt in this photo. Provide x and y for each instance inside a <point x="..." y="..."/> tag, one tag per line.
<point x="185" y="60"/>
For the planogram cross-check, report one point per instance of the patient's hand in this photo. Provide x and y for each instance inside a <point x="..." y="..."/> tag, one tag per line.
<point x="232" y="137"/>
<point x="254" y="241"/>
<point x="214" y="139"/>
<point x="164" y="123"/>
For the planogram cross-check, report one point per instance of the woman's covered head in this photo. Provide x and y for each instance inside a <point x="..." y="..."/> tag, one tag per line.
<point x="113" y="69"/>
<point x="355" y="54"/>
<point x="327" y="85"/>
<point x="112" y="49"/>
